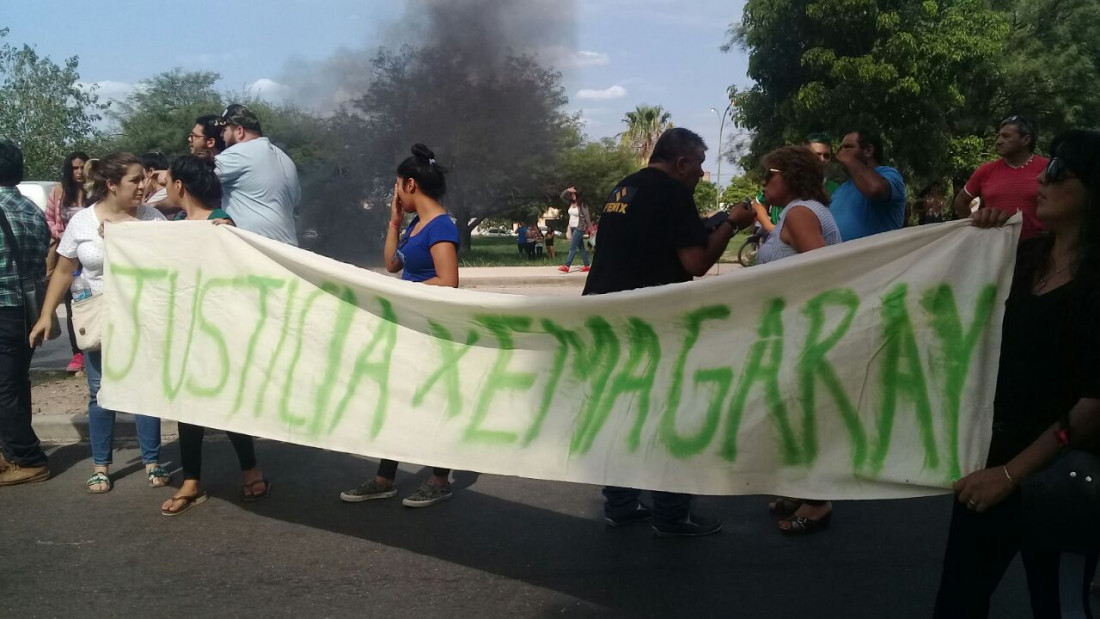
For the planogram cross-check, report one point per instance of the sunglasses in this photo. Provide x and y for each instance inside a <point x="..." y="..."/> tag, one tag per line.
<point x="770" y="173"/>
<point x="1022" y="124"/>
<point x="1057" y="170"/>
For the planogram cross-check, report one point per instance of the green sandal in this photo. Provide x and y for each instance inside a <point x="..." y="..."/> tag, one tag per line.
<point x="159" y="476"/>
<point x="99" y="478"/>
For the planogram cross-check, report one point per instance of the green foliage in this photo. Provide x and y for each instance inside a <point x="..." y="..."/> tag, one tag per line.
<point x="706" y="197"/>
<point x="935" y="76"/>
<point x="43" y="109"/>
<point x="739" y="188"/>
<point x="161" y="111"/>
<point x="904" y="67"/>
<point x="594" y="168"/>
<point x="643" y="126"/>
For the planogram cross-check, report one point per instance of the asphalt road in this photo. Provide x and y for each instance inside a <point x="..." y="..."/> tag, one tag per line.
<point x="503" y="547"/>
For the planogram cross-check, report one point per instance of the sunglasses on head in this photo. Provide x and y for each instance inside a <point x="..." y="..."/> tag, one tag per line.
<point x="1022" y="125"/>
<point x="1057" y="170"/>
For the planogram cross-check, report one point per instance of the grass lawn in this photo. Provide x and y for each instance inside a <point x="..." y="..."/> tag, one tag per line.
<point x="500" y="251"/>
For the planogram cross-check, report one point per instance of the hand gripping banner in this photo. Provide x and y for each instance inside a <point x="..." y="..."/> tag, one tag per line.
<point x="862" y="370"/>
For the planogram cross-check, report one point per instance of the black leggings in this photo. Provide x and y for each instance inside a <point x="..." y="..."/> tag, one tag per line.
<point x="387" y="469"/>
<point x="979" y="550"/>
<point x="191" y="450"/>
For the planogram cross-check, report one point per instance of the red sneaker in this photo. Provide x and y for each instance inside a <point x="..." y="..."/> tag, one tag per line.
<point x="563" y="268"/>
<point x="77" y="364"/>
<point x="585" y="269"/>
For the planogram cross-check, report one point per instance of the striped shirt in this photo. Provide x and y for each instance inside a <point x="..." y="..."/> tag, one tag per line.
<point x="775" y="249"/>
<point x="33" y="237"/>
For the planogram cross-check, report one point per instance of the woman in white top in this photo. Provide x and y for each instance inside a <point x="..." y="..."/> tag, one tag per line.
<point x="117" y="183"/>
<point x="795" y="178"/>
<point x="578" y="225"/>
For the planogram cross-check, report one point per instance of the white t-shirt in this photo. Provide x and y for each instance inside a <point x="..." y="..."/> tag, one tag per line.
<point x="83" y="242"/>
<point x="261" y="188"/>
<point x="574" y="216"/>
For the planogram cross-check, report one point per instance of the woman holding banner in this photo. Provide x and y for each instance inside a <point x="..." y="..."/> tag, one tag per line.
<point x="117" y="183"/>
<point x="795" y="177"/>
<point x="192" y="186"/>
<point x="427" y="253"/>
<point x="1047" y="404"/>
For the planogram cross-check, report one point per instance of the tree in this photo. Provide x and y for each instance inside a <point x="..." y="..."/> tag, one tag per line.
<point x="739" y="188"/>
<point x="44" y="109"/>
<point x="706" y="196"/>
<point x="494" y="121"/>
<point x="643" y="126"/>
<point x="161" y="111"/>
<point x="594" y="168"/>
<point x="1050" y="65"/>
<point x="904" y="67"/>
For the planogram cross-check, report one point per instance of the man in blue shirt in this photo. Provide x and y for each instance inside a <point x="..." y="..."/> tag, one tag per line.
<point x="21" y="457"/>
<point x="873" y="198"/>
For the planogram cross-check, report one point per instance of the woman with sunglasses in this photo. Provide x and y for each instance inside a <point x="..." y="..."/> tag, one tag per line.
<point x="427" y="253"/>
<point x="795" y="178"/>
<point x="1047" y="396"/>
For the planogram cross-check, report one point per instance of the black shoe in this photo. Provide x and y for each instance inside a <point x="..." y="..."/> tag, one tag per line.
<point x="641" y="513"/>
<point x="692" y="526"/>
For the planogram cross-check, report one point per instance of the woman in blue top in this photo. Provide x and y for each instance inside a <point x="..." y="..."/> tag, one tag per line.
<point x="427" y="253"/>
<point x="794" y="177"/>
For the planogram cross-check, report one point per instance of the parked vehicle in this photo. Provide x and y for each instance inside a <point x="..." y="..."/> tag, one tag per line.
<point x="37" y="191"/>
<point x="747" y="254"/>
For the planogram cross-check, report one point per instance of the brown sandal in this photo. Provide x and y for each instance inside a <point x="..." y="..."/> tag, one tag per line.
<point x="245" y="496"/>
<point x="189" y="501"/>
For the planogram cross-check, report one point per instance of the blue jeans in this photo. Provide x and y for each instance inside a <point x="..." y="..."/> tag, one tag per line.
<point x="101" y="422"/>
<point x="576" y="241"/>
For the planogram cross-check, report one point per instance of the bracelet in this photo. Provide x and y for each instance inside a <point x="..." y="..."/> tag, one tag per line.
<point x="1007" y="476"/>
<point x="395" y="226"/>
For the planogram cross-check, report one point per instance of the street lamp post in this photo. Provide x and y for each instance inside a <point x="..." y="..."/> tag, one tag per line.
<point x="718" y="172"/>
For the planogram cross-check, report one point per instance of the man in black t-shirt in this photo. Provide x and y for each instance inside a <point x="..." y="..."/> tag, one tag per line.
<point x="651" y="235"/>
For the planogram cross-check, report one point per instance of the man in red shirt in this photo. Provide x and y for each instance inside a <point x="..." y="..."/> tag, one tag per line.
<point x="1010" y="183"/>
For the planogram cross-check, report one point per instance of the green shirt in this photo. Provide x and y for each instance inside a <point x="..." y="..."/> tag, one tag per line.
<point x="215" y="214"/>
<point x="774" y="211"/>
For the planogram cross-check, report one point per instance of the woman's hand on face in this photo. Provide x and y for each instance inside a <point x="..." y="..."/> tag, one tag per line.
<point x="983" y="489"/>
<point x="989" y="218"/>
<point x="397" y="215"/>
<point x="39" y="332"/>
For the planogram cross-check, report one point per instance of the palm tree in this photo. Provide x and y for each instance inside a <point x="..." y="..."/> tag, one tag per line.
<point x="643" y="126"/>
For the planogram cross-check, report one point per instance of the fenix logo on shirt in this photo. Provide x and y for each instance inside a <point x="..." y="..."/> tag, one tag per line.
<point x="619" y="200"/>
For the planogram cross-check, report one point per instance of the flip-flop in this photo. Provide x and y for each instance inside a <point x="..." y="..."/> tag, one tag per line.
<point x="159" y="476"/>
<point x="99" y="477"/>
<point x="256" y="497"/>
<point x="189" y="501"/>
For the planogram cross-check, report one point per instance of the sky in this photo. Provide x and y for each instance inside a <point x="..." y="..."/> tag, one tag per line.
<point x="626" y="52"/>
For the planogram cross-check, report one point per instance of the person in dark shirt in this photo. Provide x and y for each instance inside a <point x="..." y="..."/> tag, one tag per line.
<point x="21" y="457"/>
<point x="651" y="235"/>
<point x="1047" y="396"/>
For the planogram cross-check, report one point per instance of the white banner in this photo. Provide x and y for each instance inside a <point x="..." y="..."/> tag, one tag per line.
<point x="862" y="370"/>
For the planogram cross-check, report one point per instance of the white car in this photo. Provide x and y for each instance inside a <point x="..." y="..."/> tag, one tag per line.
<point x="37" y="191"/>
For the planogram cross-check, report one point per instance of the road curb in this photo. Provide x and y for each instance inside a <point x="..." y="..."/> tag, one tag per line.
<point x="74" y="428"/>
